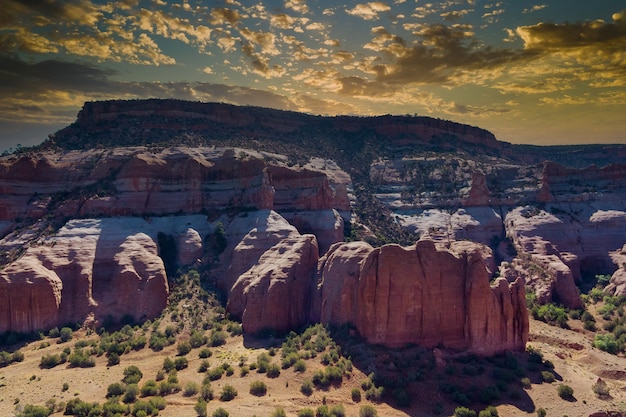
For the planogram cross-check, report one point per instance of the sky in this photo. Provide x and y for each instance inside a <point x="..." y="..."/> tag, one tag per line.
<point x="546" y="72"/>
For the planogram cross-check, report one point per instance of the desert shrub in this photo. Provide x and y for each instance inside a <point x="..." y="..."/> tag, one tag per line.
<point x="228" y="393"/>
<point x="306" y="412"/>
<point x="220" y="412"/>
<point x="278" y="412"/>
<point x="606" y="342"/>
<point x="115" y="389"/>
<point x="601" y="389"/>
<point x="183" y="348"/>
<point x="168" y="364"/>
<point x="79" y="358"/>
<point x="490" y="411"/>
<point x="180" y="363"/>
<point x="201" y="409"/>
<point x="356" y="395"/>
<point x="320" y="379"/>
<point x="215" y="373"/>
<point x="258" y="388"/>
<point x="167" y="387"/>
<point x="234" y="328"/>
<point x="197" y="339"/>
<point x="132" y="375"/>
<point x="217" y="338"/>
<point x="273" y="371"/>
<point x="66" y="334"/>
<point x="547" y="376"/>
<point x="65" y="387"/>
<point x="590" y="325"/>
<point x="113" y="359"/>
<point x="49" y="361"/>
<point x="112" y="407"/>
<point x="374" y="394"/>
<point x="35" y="411"/>
<point x="541" y="412"/>
<point x="149" y="389"/>
<point x="204" y="365"/>
<point x="367" y="411"/>
<point x="565" y="391"/>
<point x="244" y="370"/>
<point x="307" y="387"/>
<point x="299" y="366"/>
<point x="191" y="388"/>
<point x="206" y="392"/>
<point x="464" y="412"/>
<point x="205" y="353"/>
<point x="337" y="410"/>
<point x="525" y="382"/>
<point x="322" y="411"/>
<point x="160" y="375"/>
<point x="228" y="369"/>
<point x="172" y="376"/>
<point x="130" y="395"/>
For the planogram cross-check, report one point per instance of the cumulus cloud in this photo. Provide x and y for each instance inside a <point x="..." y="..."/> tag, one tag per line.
<point x="299" y="6"/>
<point x="369" y="11"/>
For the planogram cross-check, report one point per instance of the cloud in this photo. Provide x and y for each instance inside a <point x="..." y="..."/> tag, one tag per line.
<point x="299" y="6"/>
<point x="282" y="21"/>
<point x="596" y="33"/>
<point x="535" y="8"/>
<point x="454" y="15"/>
<point x="222" y="15"/>
<point x="369" y="11"/>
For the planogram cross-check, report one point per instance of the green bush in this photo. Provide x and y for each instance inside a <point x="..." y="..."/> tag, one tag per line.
<point x="565" y="391"/>
<point x="218" y="338"/>
<point x="220" y="412"/>
<point x="215" y="373"/>
<point x="541" y="412"/>
<point x="49" y="361"/>
<point x="132" y="375"/>
<point x="116" y="389"/>
<point x="183" y="348"/>
<point x="200" y="408"/>
<point x="606" y="342"/>
<point x="79" y="358"/>
<point x="65" y="335"/>
<point x="258" y="388"/>
<point x="337" y="410"/>
<point x="130" y="396"/>
<point x="356" y="395"/>
<point x="278" y="412"/>
<point x="307" y="387"/>
<point x="547" y="376"/>
<point x="35" y="411"/>
<point x="228" y="393"/>
<point x="306" y="412"/>
<point x="322" y="411"/>
<point x="191" y="389"/>
<point x="464" y="412"/>
<point x="273" y="371"/>
<point x="490" y="411"/>
<point x="367" y="411"/>
<point x="180" y="363"/>
<point x="205" y="353"/>
<point x="206" y="392"/>
<point x="374" y="394"/>
<point x="149" y="389"/>
<point x="299" y="366"/>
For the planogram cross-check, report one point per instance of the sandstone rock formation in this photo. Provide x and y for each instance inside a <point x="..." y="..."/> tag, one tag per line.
<point x="424" y="294"/>
<point x="92" y="269"/>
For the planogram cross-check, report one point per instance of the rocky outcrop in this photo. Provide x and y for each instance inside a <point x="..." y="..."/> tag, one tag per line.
<point x="92" y="269"/>
<point x="422" y="294"/>
<point x="425" y="294"/>
<point x="479" y="192"/>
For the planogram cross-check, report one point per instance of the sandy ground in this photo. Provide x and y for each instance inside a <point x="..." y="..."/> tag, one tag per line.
<point x="577" y="364"/>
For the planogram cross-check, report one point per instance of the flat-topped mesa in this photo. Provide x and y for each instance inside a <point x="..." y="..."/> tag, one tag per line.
<point x="561" y="183"/>
<point x="146" y="118"/>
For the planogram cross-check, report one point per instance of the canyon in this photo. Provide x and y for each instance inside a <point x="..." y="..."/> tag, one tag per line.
<point x="408" y="229"/>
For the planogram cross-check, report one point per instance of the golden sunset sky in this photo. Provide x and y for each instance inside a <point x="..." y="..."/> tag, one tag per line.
<point x="549" y="72"/>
